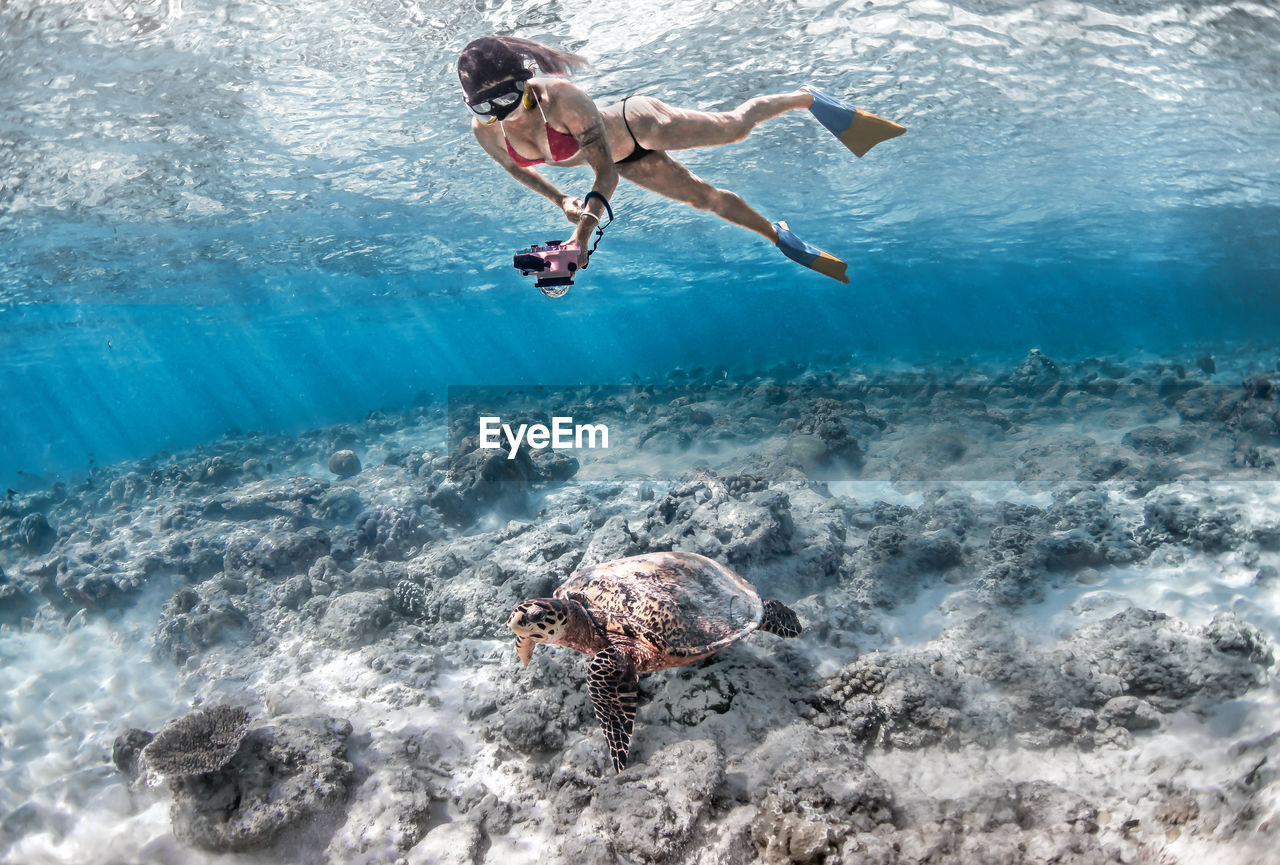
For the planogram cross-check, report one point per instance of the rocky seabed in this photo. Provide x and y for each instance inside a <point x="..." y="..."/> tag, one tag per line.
<point x="1041" y="606"/>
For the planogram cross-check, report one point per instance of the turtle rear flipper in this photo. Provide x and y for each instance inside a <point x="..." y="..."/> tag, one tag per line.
<point x="614" y="690"/>
<point x="780" y="619"/>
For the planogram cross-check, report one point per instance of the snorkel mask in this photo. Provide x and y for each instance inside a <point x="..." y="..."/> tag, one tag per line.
<point x="497" y="102"/>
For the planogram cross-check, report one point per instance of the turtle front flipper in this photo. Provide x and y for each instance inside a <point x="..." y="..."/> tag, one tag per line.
<point x="780" y="619"/>
<point x="524" y="650"/>
<point x="614" y="691"/>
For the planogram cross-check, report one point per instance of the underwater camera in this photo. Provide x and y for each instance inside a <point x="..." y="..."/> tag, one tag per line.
<point x="554" y="263"/>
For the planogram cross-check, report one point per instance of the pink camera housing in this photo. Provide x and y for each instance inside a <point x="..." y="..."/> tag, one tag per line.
<point x="554" y="263"/>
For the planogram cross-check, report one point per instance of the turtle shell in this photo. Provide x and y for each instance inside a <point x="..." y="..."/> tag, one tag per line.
<point x="683" y="604"/>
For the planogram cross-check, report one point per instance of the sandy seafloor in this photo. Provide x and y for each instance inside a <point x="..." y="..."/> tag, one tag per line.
<point x="1041" y="607"/>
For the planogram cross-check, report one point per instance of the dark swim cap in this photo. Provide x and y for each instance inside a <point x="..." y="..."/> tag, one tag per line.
<point x="488" y="61"/>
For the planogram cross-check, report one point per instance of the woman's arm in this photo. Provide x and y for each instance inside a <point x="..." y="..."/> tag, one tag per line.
<point x="571" y="109"/>
<point x="491" y="139"/>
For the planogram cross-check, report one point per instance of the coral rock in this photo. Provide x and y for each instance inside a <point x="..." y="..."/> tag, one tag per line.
<point x="344" y="464"/>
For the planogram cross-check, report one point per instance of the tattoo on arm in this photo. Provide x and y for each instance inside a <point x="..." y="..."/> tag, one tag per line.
<point x="595" y="143"/>
<point x="593" y="135"/>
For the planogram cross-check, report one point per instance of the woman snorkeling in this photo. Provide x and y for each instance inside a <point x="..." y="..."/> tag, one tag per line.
<point x="522" y="121"/>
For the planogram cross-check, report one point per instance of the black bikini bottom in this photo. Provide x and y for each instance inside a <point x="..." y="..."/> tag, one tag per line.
<point x="637" y="152"/>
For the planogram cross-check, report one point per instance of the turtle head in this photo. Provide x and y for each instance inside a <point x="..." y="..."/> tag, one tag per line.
<point x="541" y="620"/>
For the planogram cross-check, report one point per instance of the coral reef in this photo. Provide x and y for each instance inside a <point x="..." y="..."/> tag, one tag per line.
<point x="1026" y="592"/>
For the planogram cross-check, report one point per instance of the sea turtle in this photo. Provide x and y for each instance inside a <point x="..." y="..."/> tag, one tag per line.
<point x="642" y="614"/>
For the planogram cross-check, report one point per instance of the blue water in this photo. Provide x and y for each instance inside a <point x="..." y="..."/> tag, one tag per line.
<point x="248" y="216"/>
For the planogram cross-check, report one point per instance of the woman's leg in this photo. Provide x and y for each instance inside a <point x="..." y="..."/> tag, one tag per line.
<point x="659" y="173"/>
<point x="659" y="126"/>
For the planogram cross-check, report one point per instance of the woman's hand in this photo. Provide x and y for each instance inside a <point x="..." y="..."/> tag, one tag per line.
<point x="572" y="208"/>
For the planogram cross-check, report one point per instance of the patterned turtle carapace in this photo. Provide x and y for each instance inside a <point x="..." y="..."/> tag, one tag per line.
<point x="642" y="614"/>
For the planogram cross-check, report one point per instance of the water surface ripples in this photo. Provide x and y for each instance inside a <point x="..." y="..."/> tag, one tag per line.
<point x="154" y="144"/>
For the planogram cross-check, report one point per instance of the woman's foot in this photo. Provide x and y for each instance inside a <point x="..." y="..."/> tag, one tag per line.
<point x="809" y="255"/>
<point x="857" y="130"/>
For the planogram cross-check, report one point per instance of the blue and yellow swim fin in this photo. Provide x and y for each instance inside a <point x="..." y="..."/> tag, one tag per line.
<point x="810" y="256"/>
<point x="857" y="130"/>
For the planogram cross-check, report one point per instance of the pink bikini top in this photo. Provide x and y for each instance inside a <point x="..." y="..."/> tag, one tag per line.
<point x="562" y="146"/>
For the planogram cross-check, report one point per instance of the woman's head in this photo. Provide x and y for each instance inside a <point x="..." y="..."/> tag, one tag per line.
<point x="498" y="59"/>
